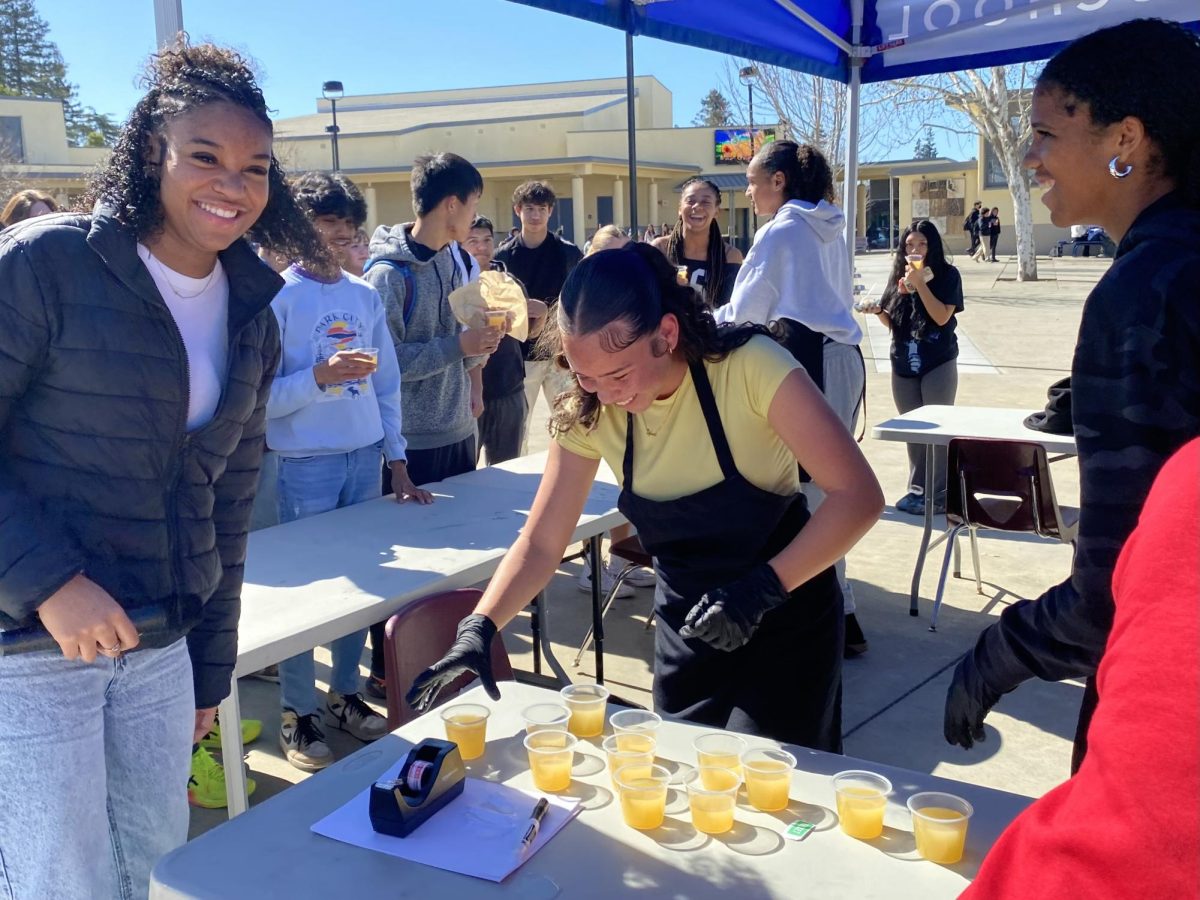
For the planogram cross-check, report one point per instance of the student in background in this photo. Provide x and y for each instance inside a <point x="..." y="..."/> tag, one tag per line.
<point x="541" y="261"/>
<point x="357" y="253"/>
<point x="696" y="242"/>
<point x="27" y="204"/>
<point x="993" y="232"/>
<point x="333" y="417"/>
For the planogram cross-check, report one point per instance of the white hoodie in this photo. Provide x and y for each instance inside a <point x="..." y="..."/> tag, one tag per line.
<point x="798" y="269"/>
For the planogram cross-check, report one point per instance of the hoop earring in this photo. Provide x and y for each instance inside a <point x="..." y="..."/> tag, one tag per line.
<point x="1118" y="173"/>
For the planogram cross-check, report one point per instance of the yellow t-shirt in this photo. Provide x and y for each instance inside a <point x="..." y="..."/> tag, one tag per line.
<point x="679" y="458"/>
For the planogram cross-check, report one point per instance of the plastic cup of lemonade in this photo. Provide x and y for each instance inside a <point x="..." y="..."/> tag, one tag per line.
<point x="681" y="276"/>
<point x="916" y="260"/>
<point x="372" y="352"/>
<point x="940" y="825"/>
<point x="636" y="749"/>
<point x="861" y="800"/>
<point x="466" y="725"/>
<point x="587" y="703"/>
<point x="712" y="796"/>
<point x="768" y="775"/>
<point x="551" y="754"/>
<point x="720" y="750"/>
<point x="545" y="717"/>
<point x="643" y="793"/>
<point x="634" y="722"/>
<point x="495" y="318"/>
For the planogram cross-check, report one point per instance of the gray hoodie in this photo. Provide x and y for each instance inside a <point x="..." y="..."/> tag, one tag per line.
<point x="435" y="390"/>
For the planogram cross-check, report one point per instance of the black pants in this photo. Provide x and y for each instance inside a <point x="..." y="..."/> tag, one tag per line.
<point x="993" y="238"/>
<point x="424" y="467"/>
<point x="501" y="427"/>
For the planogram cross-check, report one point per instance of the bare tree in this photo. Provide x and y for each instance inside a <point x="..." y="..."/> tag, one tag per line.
<point x="996" y="102"/>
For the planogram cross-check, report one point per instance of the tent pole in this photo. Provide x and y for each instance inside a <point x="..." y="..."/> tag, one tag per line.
<point x="850" y="176"/>
<point x="629" y="100"/>
<point x="168" y="20"/>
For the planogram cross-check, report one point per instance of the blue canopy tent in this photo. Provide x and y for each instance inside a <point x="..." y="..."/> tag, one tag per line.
<point x="862" y="41"/>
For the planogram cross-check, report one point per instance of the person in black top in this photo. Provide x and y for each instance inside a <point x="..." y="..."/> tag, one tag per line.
<point x="696" y="242"/>
<point x="502" y="423"/>
<point x="541" y="261"/>
<point x="971" y="226"/>
<point x="993" y="232"/>
<point x="919" y="304"/>
<point x="1120" y="151"/>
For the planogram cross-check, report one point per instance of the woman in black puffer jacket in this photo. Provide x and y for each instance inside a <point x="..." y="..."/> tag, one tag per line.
<point x="137" y="346"/>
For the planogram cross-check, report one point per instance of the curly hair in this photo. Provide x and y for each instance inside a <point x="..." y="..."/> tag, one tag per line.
<point x="178" y="80"/>
<point x="537" y="193"/>
<point x="330" y="194"/>
<point x="714" y="263"/>
<point x="1124" y="71"/>
<point x="634" y="286"/>
<point x="806" y="172"/>
<point x="906" y="311"/>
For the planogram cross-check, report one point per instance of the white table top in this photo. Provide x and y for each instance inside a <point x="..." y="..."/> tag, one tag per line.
<point x="270" y="850"/>
<point x="309" y="581"/>
<point x="938" y="425"/>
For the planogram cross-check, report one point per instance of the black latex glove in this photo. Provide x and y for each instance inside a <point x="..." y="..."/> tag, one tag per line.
<point x="470" y="652"/>
<point x="727" y="617"/>
<point x="968" y="701"/>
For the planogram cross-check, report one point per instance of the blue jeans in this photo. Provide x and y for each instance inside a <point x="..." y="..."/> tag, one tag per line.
<point x="310" y="485"/>
<point x="94" y="763"/>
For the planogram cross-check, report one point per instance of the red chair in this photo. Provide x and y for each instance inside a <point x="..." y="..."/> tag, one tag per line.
<point x="417" y="637"/>
<point x="1004" y="486"/>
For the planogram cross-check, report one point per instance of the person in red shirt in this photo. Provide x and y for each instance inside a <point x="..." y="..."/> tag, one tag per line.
<point x="1128" y="823"/>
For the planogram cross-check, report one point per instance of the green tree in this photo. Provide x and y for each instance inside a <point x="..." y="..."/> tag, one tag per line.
<point x="31" y="66"/>
<point x="925" y="148"/>
<point x="714" y="111"/>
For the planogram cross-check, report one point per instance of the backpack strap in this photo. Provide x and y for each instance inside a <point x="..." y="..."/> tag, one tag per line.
<point x="410" y="283"/>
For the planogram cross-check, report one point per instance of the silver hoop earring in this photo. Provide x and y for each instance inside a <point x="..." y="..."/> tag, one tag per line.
<point x="1118" y="173"/>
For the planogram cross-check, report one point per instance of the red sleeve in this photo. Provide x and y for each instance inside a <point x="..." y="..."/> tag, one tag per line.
<point x="1128" y="823"/>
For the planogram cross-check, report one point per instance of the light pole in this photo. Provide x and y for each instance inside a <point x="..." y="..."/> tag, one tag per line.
<point x="748" y="75"/>
<point x="333" y="92"/>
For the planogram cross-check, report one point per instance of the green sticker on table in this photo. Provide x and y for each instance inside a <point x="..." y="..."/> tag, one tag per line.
<point x="798" y="830"/>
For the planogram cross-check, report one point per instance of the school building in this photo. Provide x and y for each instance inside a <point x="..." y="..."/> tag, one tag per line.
<point x="571" y="134"/>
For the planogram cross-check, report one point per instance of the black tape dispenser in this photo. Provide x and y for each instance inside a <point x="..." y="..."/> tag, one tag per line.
<point x="432" y="775"/>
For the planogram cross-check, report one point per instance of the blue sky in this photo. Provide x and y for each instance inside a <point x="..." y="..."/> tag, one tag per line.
<point x="373" y="46"/>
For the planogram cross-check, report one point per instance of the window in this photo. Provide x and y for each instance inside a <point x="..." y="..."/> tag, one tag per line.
<point x="12" y="147"/>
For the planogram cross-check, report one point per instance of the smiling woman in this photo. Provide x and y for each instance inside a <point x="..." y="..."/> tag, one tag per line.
<point x="137" y="347"/>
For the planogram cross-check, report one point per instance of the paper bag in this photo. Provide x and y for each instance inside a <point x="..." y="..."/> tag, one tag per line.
<point x="493" y="290"/>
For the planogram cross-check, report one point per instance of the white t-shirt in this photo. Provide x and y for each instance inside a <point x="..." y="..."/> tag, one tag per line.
<point x="200" y="307"/>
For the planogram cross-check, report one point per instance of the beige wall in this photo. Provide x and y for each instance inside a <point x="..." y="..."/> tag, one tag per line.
<point x="49" y="164"/>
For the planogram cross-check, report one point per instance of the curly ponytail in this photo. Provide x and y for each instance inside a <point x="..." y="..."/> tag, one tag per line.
<point x="179" y="79"/>
<point x="631" y="289"/>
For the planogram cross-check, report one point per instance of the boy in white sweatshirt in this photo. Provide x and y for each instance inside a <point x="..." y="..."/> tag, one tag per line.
<point x="334" y="411"/>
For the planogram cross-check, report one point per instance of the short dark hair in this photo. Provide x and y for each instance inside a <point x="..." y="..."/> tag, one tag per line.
<point x="1123" y="71"/>
<point x="806" y="173"/>
<point x="437" y="176"/>
<point x="326" y="194"/>
<point x="483" y="222"/>
<point x="536" y="192"/>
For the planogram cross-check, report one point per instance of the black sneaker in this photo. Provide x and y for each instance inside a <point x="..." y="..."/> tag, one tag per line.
<point x="376" y="687"/>
<point x="856" y="641"/>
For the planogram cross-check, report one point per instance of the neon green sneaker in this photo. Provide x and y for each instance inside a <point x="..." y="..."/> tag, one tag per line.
<point x="206" y="786"/>
<point x="251" y="729"/>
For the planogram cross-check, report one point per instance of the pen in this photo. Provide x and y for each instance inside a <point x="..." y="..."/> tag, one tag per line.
<point x="535" y="822"/>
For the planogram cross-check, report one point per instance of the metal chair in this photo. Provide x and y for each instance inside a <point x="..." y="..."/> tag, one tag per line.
<point x="1004" y="486"/>
<point x="631" y="550"/>
<point x="417" y="637"/>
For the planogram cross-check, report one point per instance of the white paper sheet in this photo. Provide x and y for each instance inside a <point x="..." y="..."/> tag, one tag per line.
<point x="477" y="834"/>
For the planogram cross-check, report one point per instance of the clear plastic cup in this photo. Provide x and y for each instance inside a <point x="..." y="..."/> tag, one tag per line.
<point x="495" y="318"/>
<point x="635" y="722"/>
<point x="643" y="793"/>
<point x="720" y="750"/>
<point x="372" y="352"/>
<point x="545" y="717"/>
<point x="636" y="749"/>
<point x="768" y="775"/>
<point x="551" y="754"/>
<point x="587" y="703"/>
<point x="466" y="725"/>
<point x="861" y="801"/>
<point x="940" y="825"/>
<point x="916" y="260"/>
<point x="712" y="796"/>
<point x="681" y="275"/>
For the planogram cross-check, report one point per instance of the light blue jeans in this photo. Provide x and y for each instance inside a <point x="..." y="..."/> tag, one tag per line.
<point x="94" y="763"/>
<point x="309" y="485"/>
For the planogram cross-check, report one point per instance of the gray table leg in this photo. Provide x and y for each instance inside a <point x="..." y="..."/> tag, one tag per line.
<point x="915" y="595"/>
<point x="597" y="607"/>
<point x="230" y="712"/>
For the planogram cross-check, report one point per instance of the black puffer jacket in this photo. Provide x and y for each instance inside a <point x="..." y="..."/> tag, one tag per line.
<point x="97" y="471"/>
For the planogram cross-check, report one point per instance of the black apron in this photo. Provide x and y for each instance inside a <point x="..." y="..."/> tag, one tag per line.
<point x="786" y="682"/>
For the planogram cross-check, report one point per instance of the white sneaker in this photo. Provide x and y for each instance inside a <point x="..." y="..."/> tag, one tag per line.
<point x="606" y="581"/>
<point x="303" y="742"/>
<point x="641" y="577"/>
<point x="351" y="714"/>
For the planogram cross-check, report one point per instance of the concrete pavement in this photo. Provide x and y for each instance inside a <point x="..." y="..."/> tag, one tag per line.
<point x="1023" y="335"/>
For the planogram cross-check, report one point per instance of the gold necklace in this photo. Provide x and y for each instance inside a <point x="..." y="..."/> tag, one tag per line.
<point x="166" y="275"/>
<point x="666" y="414"/>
